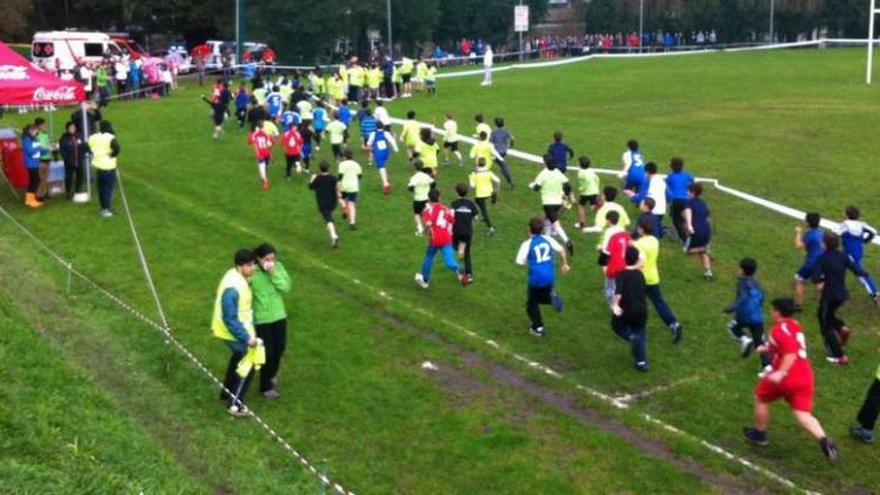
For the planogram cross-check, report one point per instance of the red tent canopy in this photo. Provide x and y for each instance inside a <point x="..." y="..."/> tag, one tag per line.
<point x="23" y="84"/>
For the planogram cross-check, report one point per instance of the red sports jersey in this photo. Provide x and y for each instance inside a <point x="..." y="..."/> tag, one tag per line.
<point x="262" y="144"/>
<point x="786" y="337"/>
<point x="439" y="219"/>
<point x="616" y="242"/>
<point x="292" y="142"/>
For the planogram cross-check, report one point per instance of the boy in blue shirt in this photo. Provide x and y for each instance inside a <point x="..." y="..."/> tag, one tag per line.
<point x="810" y="242"/>
<point x="537" y="252"/>
<point x="241" y="102"/>
<point x="854" y="234"/>
<point x="290" y="118"/>
<point x="677" y="184"/>
<point x="633" y="166"/>
<point x="560" y="152"/>
<point x="275" y="103"/>
<point x="344" y="113"/>
<point x="749" y="312"/>
<point x="368" y="125"/>
<point x="319" y="123"/>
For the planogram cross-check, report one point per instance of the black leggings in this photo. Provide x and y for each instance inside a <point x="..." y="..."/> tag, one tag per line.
<point x="829" y="323"/>
<point x="33" y="180"/>
<point x="466" y="240"/>
<point x="73" y="178"/>
<point x="505" y="171"/>
<point x="871" y="407"/>
<point x="678" y="207"/>
<point x="274" y="337"/>
<point x="484" y="211"/>
<point x="536" y="297"/>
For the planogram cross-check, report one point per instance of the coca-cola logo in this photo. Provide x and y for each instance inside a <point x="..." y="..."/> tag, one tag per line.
<point x="12" y="73"/>
<point x="63" y="93"/>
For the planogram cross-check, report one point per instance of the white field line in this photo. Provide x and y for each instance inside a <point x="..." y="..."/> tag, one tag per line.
<point x="536" y="365"/>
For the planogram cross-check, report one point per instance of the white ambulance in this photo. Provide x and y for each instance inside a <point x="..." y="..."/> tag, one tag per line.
<point x="61" y="50"/>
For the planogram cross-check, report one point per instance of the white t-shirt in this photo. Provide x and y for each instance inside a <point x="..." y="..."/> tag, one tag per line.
<point x="488" y="57"/>
<point x="451" y="128"/>
<point x="121" y="71"/>
<point x="657" y="191"/>
<point x="381" y="114"/>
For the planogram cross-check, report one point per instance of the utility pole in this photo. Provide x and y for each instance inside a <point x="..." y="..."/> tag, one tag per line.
<point x="390" y="39"/>
<point x="237" y="31"/>
<point x="641" y="23"/>
<point x="772" y="13"/>
<point x="520" y="33"/>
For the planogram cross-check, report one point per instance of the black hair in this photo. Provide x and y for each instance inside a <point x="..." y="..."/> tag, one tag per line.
<point x="536" y="225"/>
<point x="813" y="219"/>
<point x="548" y="161"/>
<point x="676" y="164"/>
<point x="632" y="256"/>
<point x="557" y="136"/>
<point x="479" y="117"/>
<point x="499" y="121"/>
<point x="70" y="123"/>
<point x="651" y="168"/>
<point x="39" y="121"/>
<point x="632" y="144"/>
<point x="609" y="193"/>
<point x="324" y="166"/>
<point x="831" y="241"/>
<point x="461" y="189"/>
<point x="483" y="136"/>
<point x="347" y="154"/>
<point x="244" y="256"/>
<point x="410" y="115"/>
<point x="650" y="203"/>
<point x="748" y="266"/>
<point x="434" y="195"/>
<point x="418" y="164"/>
<point x="784" y="305"/>
<point x="646" y="224"/>
<point x="105" y="126"/>
<point x="853" y="213"/>
<point x="425" y="133"/>
<point x="263" y="250"/>
<point x="584" y="162"/>
<point x="695" y="189"/>
<point x="613" y="217"/>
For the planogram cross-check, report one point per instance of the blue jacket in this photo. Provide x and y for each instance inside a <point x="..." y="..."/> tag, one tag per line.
<point x="677" y="185"/>
<point x="749" y="302"/>
<point x="30" y="148"/>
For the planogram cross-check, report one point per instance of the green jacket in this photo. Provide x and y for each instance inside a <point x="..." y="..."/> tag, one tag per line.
<point x="43" y="139"/>
<point x="268" y="291"/>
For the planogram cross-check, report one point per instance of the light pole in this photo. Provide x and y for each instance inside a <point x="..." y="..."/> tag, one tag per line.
<point x="520" y="40"/>
<point x="772" y="12"/>
<point x="390" y="40"/>
<point x="641" y="22"/>
<point x="237" y="31"/>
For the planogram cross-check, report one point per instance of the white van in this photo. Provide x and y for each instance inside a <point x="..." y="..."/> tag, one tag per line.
<point x="61" y="50"/>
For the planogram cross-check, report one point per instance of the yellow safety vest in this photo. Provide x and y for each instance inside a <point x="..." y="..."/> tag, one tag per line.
<point x="233" y="280"/>
<point x="101" y="149"/>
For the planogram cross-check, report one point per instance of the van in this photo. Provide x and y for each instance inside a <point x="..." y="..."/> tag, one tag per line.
<point x="62" y="50"/>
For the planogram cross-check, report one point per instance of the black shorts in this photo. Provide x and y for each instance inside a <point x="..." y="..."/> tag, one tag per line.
<point x="419" y="207"/>
<point x="337" y="150"/>
<point x="292" y="159"/>
<point x="461" y="239"/>
<point x="351" y="197"/>
<point x="589" y="199"/>
<point x="406" y="77"/>
<point x="218" y="119"/>
<point x="326" y="213"/>
<point x="453" y="146"/>
<point x="700" y="240"/>
<point x="552" y="212"/>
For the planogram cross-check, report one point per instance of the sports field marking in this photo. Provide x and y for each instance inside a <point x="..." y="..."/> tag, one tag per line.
<point x="187" y="206"/>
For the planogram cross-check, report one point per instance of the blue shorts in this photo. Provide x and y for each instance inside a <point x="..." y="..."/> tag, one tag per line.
<point x="351" y="197"/>
<point x="808" y="271"/>
<point x="699" y="240"/>
<point x="381" y="159"/>
<point x="306" y="151"/>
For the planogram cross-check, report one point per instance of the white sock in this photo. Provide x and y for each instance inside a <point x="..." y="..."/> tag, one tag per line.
<point x="383" y="174"/>
<point x="263" y="171"/>
<point x="332" y="230"/>
<point x="561" y="233"/>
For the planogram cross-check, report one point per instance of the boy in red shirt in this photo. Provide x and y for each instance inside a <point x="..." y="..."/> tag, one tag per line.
<point x="791" y="379"/>
<point x="292" y="142"/>
<point x="612" y="253"/>
<point x="262" y="144"/>
<point x="438" y="225"/>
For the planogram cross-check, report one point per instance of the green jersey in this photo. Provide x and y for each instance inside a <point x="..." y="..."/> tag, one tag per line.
<point x="552" y="184"/>
<point x="587" y="182"/>
<point x="336" y="130"/>
<point x="350" y="172"/>
<point x="420" y="183"/>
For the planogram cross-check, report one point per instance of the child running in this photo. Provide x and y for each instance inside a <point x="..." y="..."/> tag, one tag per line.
<point x="677" y="184"/>
<point x="409" y="135"/>
<point x="554" y="188"/>
<point x="649" y="254"/>
<point x="748" y="312"/>
<point x="337" y="131"/>
<point x="381" y="142"/>
<point x="560" y="152"/>
<point x="502" y="140"/>
<point x="427" y="150"/>
<point x="811" y="243"/>
<point x="462" y="231"/>
<point x="350" y="173"/>
<point x="588" y="191"/>
<point x="262" y="144"/>
<point x="292" y="142"/>
<point x="698" y="228"/>
<point x="609" y="194"/>
<point x="326" y="189"/>
<point x="305" y="131"/>
<point x="485" y="184"/>
<point x="630" y="308"/>
<point x="420" y="184"/>
<point x="633" y="171"/>
<point x="450" y="140"/>
<point x="319" y="124"/>
<point x="481" y="126"/>
<point x="368" y="125"/>
<point x="854" y="234"/>
<point x="484" y="150"/>
<point x="791" y="379"/>
<point x="218" y="115"/>
<point x="612" y="253"/>
<point x="538" y="252"/>
<point x="439" y="221"/>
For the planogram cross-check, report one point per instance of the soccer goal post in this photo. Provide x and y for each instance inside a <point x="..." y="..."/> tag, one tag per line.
<point x="872" y="14"/>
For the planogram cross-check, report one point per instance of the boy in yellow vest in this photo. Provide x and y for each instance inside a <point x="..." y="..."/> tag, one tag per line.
<point x="233" y="322"/>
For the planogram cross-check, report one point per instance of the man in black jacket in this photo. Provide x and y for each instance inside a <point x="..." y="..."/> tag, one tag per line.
<point x="73" y="150"/>
<point x="832" y="267"/>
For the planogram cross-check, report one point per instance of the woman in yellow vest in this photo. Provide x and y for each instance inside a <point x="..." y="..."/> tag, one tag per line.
<point x="105" y="149"/>
<point x="233" y="322"/>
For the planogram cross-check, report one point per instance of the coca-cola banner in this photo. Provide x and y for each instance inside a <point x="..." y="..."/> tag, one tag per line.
<point x="22" y="84"/>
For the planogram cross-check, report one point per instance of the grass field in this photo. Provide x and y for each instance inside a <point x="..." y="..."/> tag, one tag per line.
<point x="796" y="127"/>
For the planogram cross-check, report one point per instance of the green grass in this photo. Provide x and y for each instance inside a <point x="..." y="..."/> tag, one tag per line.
<point x="797" y="127"/>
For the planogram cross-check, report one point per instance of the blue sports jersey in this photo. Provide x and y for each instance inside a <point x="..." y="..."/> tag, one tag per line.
<point x="345" y="115"/>
<point x="290" y="119"/>
<point x="318" y="119"/>
<point x="241" y="99"/>
<point x="380" y="147"/>
<point x="368" y="125"/>
<point x="636" y="173"/>
<point x="699" y="216"/>
<point x="560" y="153"/>
<point x="677" y="185"/>
<point x="274" y="102"/>
<point x="812" y="240"/>
<point x="853" y="235"/>
<point x="542" y="272"/>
